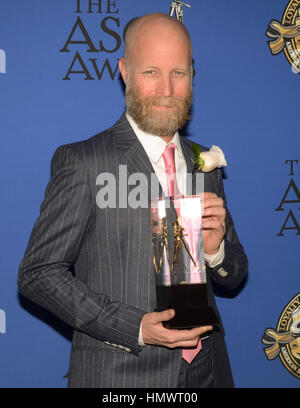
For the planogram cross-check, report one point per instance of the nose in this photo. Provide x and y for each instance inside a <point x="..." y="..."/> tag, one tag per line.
<point x="165" y="86"/>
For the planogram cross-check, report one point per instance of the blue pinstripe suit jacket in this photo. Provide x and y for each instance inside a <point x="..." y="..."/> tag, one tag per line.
<point x="113" y="284"/>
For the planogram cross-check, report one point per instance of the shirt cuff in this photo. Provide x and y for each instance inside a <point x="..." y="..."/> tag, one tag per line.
<point x="216" y="259"/>
<point x="141" y="341"/>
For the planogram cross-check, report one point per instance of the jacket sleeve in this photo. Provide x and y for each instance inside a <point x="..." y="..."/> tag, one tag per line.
<point x="55" y="243"/>
<point x="231" y="272"/>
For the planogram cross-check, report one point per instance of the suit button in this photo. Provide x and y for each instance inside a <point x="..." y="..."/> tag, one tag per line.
<point x="221" y="271"/>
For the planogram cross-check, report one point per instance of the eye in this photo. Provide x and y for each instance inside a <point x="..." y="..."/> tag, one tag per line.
<point x="150" y="72"/>
<point x="179" y="74"/>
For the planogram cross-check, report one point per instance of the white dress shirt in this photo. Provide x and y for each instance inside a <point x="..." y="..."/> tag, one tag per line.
<point x="154" y="147"/>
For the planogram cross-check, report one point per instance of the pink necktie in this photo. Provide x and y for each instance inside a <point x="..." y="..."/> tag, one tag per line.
<point x="169" y="159"/>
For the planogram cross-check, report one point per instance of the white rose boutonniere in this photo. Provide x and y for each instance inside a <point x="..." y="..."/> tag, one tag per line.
<point x="209" y="160"/>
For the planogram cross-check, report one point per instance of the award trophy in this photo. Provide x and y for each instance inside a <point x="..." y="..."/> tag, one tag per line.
<point x="179" y="264"/>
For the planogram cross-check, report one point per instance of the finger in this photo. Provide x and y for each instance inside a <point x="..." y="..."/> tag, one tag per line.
<point x="175" y="336"/>
<point x="219" y="212"/>
<point x="207" y="195"/>
<point x="213" y="202"/>
<point x="187" y="338"/>
<point x="213" y="223"/>
<point x="185" y="344"/>
<point x="201" y="330"/>
<point x="165" y="315"/>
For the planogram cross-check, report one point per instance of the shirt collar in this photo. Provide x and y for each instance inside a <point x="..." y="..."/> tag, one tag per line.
<point x="154" y="145"/>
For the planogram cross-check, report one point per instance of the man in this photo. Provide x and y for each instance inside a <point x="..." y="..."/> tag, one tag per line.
<point x="119" y="341"/>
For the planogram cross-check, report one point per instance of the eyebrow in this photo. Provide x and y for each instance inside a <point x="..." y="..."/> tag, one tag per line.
<point x="156" y="67"/>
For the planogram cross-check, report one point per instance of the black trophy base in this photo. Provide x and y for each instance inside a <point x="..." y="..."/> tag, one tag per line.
<point x="190" y="304"/>
<point x="189" y="318"/>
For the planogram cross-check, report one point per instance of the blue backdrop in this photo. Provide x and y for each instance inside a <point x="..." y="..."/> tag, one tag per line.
<point x="246" y="101"/>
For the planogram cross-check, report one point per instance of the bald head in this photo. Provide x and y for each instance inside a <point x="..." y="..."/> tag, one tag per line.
<point x="156" y="26"/>
<point x="157" y="71"/>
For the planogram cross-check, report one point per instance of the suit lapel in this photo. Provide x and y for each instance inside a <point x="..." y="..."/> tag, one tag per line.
<point x="188" y="154"/>
<point x="189" y="157"/>
<point x="209" y="184"/>
<point x="132" y="154"/>
<point x="129" y="146"/>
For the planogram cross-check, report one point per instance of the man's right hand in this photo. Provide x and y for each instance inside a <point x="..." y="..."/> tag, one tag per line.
<point x="155" y="333"/>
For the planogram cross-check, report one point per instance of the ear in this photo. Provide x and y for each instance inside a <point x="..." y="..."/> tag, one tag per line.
<point x="122" y="68"/>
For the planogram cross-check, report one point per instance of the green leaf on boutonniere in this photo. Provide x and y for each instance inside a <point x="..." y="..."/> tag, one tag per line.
<point x="198" y="162"/>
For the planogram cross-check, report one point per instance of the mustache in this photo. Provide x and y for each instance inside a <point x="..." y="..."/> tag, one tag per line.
<point x="170" y="102"/>
<point x="161" y="101"/>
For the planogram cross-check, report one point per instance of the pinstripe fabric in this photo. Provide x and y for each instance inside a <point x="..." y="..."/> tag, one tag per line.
<point x="114" y="283"/>
<point x="200" y="373"/>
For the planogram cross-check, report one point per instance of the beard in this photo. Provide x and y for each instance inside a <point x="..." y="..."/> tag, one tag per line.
<point x="155" y="122"/>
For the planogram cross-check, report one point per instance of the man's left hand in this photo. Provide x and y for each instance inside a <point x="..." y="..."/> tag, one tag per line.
<point x="213" y="222"/>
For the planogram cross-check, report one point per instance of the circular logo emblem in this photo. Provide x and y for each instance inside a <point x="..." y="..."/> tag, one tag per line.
<point x="285" y="340"/>
<point x="286" y="35"/>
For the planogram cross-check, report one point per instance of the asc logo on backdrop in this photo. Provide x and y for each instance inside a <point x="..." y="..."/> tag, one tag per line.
<point x="286" y="35"/>
<point x="290" y="201"/>
<point x="94" y="39"/>
<point x="285" y="340"/>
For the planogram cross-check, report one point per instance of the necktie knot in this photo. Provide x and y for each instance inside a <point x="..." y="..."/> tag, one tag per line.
<point x="169" y="155"/>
